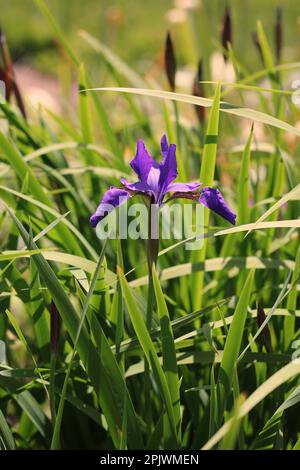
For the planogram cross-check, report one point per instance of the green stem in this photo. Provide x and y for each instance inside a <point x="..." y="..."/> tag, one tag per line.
<point x="52" y="388"/>
<point x="152" y="254"/>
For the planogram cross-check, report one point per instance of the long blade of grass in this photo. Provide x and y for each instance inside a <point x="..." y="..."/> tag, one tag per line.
<point x="243" y="187"/>
<point x="100" y="364"/>
<point x="68" y="225"/>
<point x="232" y="345"/>
<point x="280" y="377"/>
<point x="58" y="420"/>
<point x="24" y="171"/>
<point x="225" y="107"/>
<point x="7" y="441"/>
<point x="98" y="105"/>
<point x="283" y="200"/>
<point x="149" y="350"/>
<point x="289" y="323"/>
<point x="207" y="173"/>
<point x="168" y="351"/>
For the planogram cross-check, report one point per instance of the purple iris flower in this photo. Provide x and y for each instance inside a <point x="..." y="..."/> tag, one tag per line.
<point x="155" y="181"/>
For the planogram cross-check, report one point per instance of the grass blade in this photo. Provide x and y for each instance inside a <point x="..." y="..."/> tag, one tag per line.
<point x="58" y="420"/>
<point x="280" y="377"/>
<point x="232" y="345"/>
<point x="149" y="350"/>
<point x="225" y="107"/>
<point x="168" y="351"/>
<point x="7" y="441"/>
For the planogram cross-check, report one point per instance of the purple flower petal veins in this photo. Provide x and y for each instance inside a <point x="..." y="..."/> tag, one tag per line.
<point x="213" y="200"/>
<point x="157" y="179"/>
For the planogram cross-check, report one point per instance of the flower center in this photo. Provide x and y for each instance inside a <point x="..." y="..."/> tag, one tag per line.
<point x="153" y="181"/>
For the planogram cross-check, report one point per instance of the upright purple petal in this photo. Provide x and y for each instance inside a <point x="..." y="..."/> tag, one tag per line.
<point x="168" y="171"/>
<point x="113" y="198"/>
<point x="153" y="182"/>
<point x="164" y="147"/>
<point x="142" y="162"/>
<point x="184" y="187"/>
<point x="213" y="199"/>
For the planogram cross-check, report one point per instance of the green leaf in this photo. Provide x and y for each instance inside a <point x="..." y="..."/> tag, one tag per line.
<point x="229" y="440"/>
<point x="113" y="60"/>
<point x="149" y="350"/>
<point x="7" y="441"/>
<point x="58" y="420"/>
<point x="208" y="161"/>
<point x="168" y="351"/>
<point x="289" y="323"/>
<point x="24" y="171"/>
<point x="243" y="187"/>
<point x="110" y="388"/>
<point x="225" y="107"/>
<point x="280" y="377"/>
<point x="34" y="412"/>
<point x="65" y="225"/>
<point x="207" y="173"/>
<point x="267" y="436"/>
<point x="283" y="200"/>
<point x="232" y="345"/>
<point x="97" y="103"/>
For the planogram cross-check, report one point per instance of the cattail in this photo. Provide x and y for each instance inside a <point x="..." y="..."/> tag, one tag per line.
<point x="170" y="62"/>
<point x="278" y="34"/>
<point x="226" y="31"/>
<point x="257" y="45"/>
<point x="54" y="328"/>
<point x="9" y="75"/>
<point x="5" y="72"/>
<point x="264" y="337"/>
<point x="198" y="91"/>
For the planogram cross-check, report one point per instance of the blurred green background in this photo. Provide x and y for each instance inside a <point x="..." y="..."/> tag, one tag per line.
<point x="136" y="30"/>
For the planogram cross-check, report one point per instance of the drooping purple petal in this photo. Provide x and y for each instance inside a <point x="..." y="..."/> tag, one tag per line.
<point x="142" y="162"/>
<point x="113" y="198"/>
<point x="213" y="199"/>
<point x="184" y="187"/>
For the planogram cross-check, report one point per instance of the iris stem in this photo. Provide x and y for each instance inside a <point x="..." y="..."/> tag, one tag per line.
<point x="152" y="254"/>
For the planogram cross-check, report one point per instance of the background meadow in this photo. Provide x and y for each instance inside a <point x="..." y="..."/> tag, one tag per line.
<point x="82" y="363"/>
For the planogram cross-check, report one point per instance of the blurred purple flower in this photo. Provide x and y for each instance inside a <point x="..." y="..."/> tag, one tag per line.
<point x="157" y="179"/>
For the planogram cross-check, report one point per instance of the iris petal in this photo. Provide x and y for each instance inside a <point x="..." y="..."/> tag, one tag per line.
<point x="184" y="187"/>
<point x="138" y="186"/>
<point x="168" y="171"/>
<point x="153" y="182"/>
<point x="164" y="147"/>
<point x="142" y="162"/>
<point x="113" y="198"/>
<point x="213" y="200"/>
